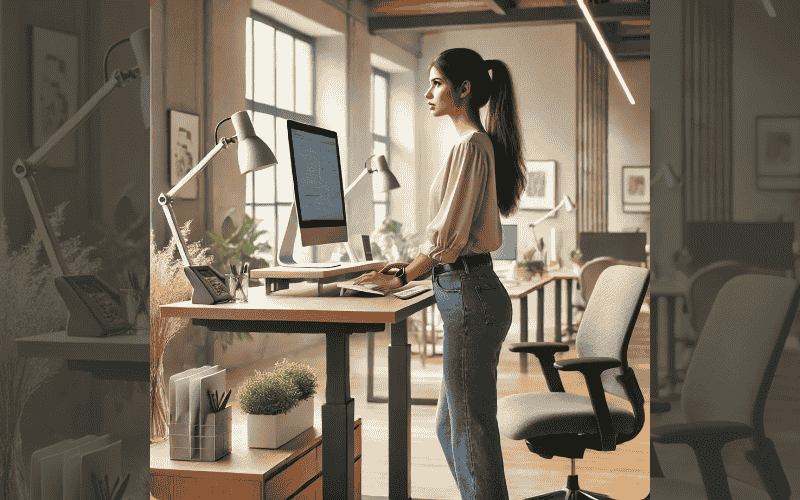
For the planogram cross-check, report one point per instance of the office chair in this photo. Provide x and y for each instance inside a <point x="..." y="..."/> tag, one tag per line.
<point x="587" y="277"/>
<point x="724" y="395"/>
<point x="563" y="424"/>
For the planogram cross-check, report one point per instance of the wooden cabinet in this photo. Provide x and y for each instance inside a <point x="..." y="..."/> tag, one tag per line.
<point x="293" y="471"/>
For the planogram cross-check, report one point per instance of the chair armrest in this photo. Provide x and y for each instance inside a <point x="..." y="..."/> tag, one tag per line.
<point x="701" y="434"/>
<point x="537" y="348"/>
<point x="545" y="353"/>
<point x="706" y="440"/>
<point x="591" y="368"/>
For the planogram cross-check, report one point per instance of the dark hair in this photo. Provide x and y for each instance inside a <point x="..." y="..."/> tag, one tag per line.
<point x="502" y="123"/>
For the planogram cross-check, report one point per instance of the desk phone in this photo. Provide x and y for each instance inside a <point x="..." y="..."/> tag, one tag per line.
<point x="94" y="307"/>
<point x="208" y="286"/>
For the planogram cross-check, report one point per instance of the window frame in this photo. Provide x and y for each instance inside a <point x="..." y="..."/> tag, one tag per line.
<point x="277" y="112"/>
<point x="387" y="139"/>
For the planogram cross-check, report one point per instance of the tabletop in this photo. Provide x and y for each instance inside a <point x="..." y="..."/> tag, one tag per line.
<point x="301" y="303"/>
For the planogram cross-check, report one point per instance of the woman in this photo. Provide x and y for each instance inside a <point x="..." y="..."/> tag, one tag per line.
<point x="482" y="179"/>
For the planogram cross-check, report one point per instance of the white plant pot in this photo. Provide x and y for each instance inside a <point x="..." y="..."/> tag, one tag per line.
<point x="273" y="431"/>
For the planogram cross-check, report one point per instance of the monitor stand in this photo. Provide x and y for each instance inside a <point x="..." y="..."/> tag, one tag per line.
<point x="286" y="257"/>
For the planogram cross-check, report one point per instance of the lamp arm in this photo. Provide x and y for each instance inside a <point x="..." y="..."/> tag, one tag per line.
<point x="165" y="200"/>
<point x="550" y="213"/>
<point x="355" y="182"/>
<point x="25" y="170"/>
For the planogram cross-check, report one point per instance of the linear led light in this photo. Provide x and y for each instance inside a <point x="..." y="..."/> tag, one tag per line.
<point x="770" y="8"/>
<point x="604" y="46"/>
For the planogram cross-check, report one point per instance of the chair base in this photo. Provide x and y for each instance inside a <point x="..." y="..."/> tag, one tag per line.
<point x="571" y="492"/>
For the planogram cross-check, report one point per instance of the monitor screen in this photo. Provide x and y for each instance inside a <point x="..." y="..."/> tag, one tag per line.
<point x="764" y="244"/>
<point x="317" y="175"/>
<point x="508" y="250"/>
<point x="622" y="246"/>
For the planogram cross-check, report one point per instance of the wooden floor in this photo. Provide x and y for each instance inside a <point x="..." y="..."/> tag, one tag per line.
<point x="622" y="474"/>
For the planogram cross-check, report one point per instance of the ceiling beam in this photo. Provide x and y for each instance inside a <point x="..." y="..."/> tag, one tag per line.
<point x="500" y="7"/>
<point x="609" y="12"/>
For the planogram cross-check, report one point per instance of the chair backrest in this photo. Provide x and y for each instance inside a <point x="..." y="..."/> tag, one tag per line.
<point x="735" y="359"/>
<point x="607" y="323"/>
<point x="587" y="276"/>
<point x="705" y="284"/>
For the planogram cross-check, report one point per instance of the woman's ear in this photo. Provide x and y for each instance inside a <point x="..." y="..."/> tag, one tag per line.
<point x="465" y="89"/>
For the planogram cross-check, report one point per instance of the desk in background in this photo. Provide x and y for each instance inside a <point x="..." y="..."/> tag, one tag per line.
<point x="301" y="310"/>
<point x="671" y="291"/>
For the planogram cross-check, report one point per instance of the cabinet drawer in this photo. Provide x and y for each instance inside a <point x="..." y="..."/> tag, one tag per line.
<point x="311" y="492"/>
<point x="285" y="483"/>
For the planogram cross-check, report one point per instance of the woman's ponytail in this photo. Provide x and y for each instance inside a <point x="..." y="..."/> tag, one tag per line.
<point x="502" y="125"/>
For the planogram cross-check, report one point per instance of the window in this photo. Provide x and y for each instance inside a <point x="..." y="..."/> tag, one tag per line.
<point x="380" y="136"/>
<point x="279" y="87"/>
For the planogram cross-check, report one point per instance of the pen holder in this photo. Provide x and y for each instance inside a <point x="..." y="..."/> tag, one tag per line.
<point x="210" y="442"/>
<point x="239" y="285"/>
<point x="132" y="300"/>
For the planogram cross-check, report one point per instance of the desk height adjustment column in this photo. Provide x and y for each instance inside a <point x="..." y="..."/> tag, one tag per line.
<point x="399" y="413"/>
<point x="338" y="416"/>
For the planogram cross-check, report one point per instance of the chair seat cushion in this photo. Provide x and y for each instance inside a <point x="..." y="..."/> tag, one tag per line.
<point x="533" y="414"/>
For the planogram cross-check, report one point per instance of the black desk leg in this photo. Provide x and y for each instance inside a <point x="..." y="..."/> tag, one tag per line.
<point x="569" y="306"/>
<point x="399" y="414"/>
<point x="523" y="332"/>
<point x="653" y="347"/>
<point x="557" y="333"/>
<point x="371" y="367"/>
<point x="671" y="343"/>
<point x="338" y="418"/>
<point x="540" y="314"/>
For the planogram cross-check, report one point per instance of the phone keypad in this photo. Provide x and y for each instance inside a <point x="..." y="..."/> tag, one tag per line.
<point x="108" y="308"/>
<point x="217" y="286"/>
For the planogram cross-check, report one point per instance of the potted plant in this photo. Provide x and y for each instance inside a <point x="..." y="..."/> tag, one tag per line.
<point x="278" y="404"/>
<point x="576" y="257"/>
<point x="531" y="265"/>
<point x="241" y="245"/>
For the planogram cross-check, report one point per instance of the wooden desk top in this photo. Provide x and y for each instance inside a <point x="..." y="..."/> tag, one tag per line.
<point x="244" y="462"/>
<point x="134" y="348"/>
<point x="301" y="303"/>
<point x="520" y="289"/>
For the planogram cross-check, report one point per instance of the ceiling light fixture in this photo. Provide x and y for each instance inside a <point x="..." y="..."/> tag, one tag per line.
<point x="604" y="46"/>
<point x="770" y="9"/>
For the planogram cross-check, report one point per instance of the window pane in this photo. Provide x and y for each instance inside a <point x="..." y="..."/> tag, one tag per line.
<point x="285" y="70"/>
<point x="248" y="190"/>
<point x="380" y="105"/>
<point x="248" y="50"/>
<point x="267" y="217"/>
<point x="380" y="214"/>
<point x="264" y="90"/>
<point x="303" y="76"/>
<point x="284" y="167"/>
<point x="378" y="148"/>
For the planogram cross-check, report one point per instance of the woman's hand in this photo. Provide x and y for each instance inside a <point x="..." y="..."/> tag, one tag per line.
<point x="384" y="282"/>
<point x="395" y="265"/>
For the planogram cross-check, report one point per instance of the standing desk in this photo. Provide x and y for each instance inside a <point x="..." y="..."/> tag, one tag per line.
<point x="302" y="310"/>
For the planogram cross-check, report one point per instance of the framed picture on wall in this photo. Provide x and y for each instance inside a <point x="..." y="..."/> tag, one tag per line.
<point x="636" y="189"/>
<point x="54" y="89"/>
<point x="778" y="152"/>
<point x="540" y="188"/>
<point x="184" y="150"/>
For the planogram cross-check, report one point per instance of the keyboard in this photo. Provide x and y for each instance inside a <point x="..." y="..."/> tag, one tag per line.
<point x="412" y="292"/>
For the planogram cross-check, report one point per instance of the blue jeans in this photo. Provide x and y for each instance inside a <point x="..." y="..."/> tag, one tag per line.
<point x="476" y="312"/>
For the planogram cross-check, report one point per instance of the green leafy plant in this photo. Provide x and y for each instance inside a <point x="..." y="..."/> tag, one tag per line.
<point x="241" y="246"/>
<point x="273" y="393"/>
<point x="391" y="243"/>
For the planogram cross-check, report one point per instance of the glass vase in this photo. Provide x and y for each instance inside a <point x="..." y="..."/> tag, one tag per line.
<point x="159" y="410"/>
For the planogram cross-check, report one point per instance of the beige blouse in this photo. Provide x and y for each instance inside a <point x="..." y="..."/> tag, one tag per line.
<point x="463" y="199"/>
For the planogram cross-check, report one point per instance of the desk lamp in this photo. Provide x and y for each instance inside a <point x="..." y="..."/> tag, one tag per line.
<point x="386" y="182"/>
<point x="565" y="203"/>
<point x="208" y="285"/>
<point x="93" y="306"/>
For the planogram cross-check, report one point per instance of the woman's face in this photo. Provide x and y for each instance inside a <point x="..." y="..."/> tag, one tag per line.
<point x="440" y="95"/>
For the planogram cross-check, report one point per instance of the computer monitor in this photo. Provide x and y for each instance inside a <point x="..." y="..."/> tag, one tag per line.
<point x="763" y="244"/>
<point x="622" y="246"/>
<point x="318" y="188"/>
<point x="508" y="250"/>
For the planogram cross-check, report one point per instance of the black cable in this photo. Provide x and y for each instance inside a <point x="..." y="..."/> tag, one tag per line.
<point x="217" y="128"/>
<point x="108" y="53"/>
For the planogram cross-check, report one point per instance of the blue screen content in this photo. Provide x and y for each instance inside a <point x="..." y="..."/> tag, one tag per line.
<point x="319" y="186"/>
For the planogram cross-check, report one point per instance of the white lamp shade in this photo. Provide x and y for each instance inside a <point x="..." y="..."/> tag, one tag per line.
<point x="386" y="179"/>
<point x="254" y="154"/>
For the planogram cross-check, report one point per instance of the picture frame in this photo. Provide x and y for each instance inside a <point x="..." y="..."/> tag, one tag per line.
<point x="54" y="89"/>
<point x="540" y="188"/>
<point x="184" y="150"/>
<point x="778" y="153"/>
<point x="635" y="189"/>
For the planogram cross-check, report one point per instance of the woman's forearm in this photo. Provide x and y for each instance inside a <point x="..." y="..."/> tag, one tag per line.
<point x="419" y="266"/>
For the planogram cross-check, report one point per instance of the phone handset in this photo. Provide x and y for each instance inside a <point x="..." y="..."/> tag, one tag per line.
<point x="94" y="307"/>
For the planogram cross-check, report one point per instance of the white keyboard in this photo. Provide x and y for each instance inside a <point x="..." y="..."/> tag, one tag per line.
<point x="412" y="292"/>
